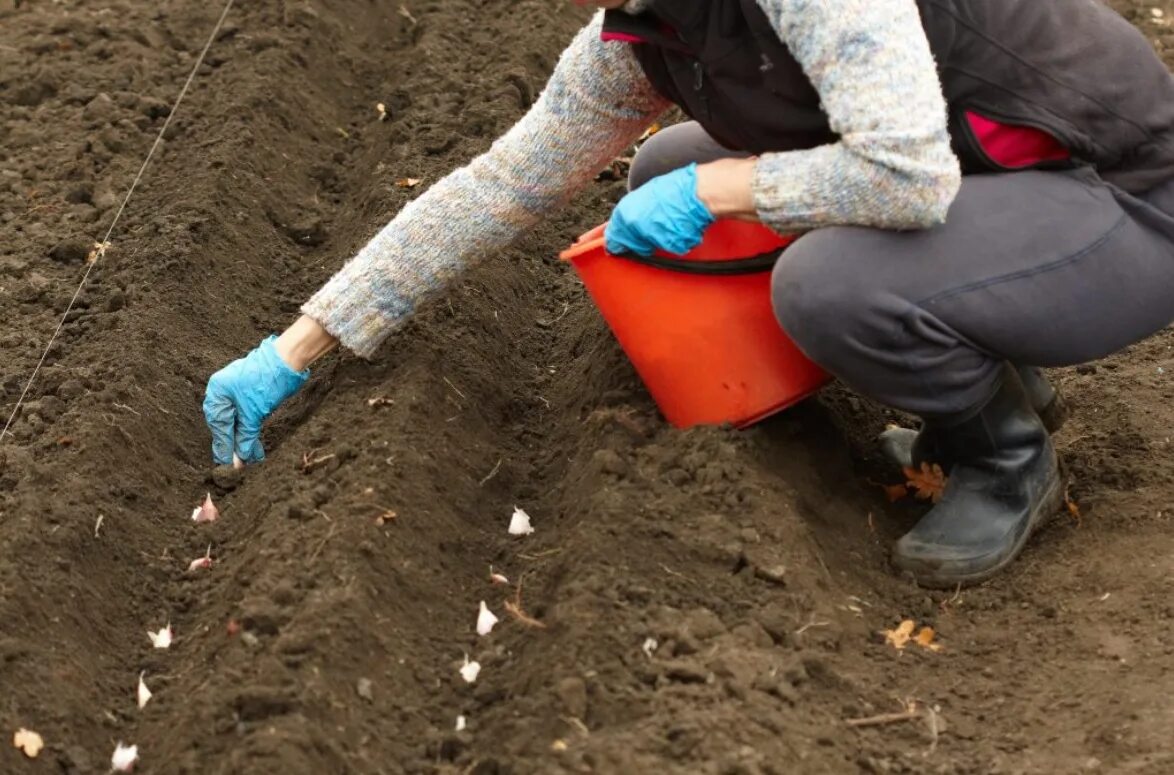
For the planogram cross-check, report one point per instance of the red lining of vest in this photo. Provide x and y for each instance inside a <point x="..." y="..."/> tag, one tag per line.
<point x="1015" y="146"/>
<point x="622" y="37"/>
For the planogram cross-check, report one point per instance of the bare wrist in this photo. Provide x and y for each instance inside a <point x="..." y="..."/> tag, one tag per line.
<point x="303" y="343"/>
<point x="725" y="187"/>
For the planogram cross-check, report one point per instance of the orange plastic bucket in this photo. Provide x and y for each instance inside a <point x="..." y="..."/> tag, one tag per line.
<point x="699" y="328"/>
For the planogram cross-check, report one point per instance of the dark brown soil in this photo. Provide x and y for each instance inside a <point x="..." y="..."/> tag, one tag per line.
<point x="756" y="560"/>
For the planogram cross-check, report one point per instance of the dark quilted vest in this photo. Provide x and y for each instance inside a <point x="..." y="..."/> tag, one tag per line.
<point x="1073" y="68"/>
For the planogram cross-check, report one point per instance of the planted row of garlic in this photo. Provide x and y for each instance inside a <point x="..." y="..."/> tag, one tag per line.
<point x="486" y="620"/>
<point x="126" y="756"/>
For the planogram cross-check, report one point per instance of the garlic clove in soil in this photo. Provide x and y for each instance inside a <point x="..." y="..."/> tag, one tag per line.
<point x="497" y="578"/>
<point x="206" y="511"/>
<point x="124" y="758"/>
<point x="201" y="562"/>
<point x="30" y="743"/>
<point x="470" y="670"/>
<point x="520" y="523"/>
<point x="161" y="639"/>
<point x="485" y="620"/>
<point x="461" y="724"/>
<point x="144" y="692"/>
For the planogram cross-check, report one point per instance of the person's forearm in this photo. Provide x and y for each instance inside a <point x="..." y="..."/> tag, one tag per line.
<point x="892" y="167"/>
<point x="596" y="103"/>
<point x="303" y="343"/>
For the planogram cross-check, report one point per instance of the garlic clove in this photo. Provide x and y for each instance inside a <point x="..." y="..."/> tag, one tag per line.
<point x="201" y="562"/>
<point x="485" y="620"/>
<point x="124" y="758"/>
<point x="161" y="639"/>
<point x="470" y="670"/>
<point x="520" y="523"/>
<point x="206" y="511"/>
<point x="144" y="692"/>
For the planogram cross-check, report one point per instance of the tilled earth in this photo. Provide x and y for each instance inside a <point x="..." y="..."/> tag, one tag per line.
<point x="324" y="640"/>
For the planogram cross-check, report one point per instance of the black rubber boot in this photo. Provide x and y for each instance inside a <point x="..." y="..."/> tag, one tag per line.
<point x="908" y="448"/>
<point x="1004" y="481"/>
<point x="1044" y="397"/>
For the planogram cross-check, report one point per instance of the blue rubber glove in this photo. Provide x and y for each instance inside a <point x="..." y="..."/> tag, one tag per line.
<point x="241" y="395"/>
<point x="664" y="214"/>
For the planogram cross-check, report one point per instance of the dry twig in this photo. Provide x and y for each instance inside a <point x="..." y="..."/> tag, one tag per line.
<point x="885" y="718"/>
<point x="310" y="461"/>
<point x="514" y="608"/>
<point x="322" y="544"/>
<point x="454" y="388"/>
<point x="492" y="473"/>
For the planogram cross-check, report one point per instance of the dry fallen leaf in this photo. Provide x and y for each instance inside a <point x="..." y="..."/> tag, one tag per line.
<point x="408" y="182"/>
<point x="899" y="637"/>
<point x="97" y="251"/>
<point x="1070" y="503"/>
<point x="928" y="482"/>
<point x="903" y="635"/>
<point x="28" y="741"/>
<point x="925" y="639"/>
<point x="649" y="132"/>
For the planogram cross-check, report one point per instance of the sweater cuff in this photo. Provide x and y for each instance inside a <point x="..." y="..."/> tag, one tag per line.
<point x="357" y="324"/>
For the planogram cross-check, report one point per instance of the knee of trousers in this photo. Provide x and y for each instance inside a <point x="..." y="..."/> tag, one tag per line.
<point x="658" y="156"/>
<point x="838" y="313"/>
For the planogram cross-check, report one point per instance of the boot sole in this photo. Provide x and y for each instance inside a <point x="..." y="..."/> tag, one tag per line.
<point x="1049" y="504"/>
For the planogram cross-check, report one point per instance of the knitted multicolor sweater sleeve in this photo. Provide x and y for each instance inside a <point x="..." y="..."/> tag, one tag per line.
<point x="868" y="59"/>
<point x="893" y="167"/>
<point x="596" y="103"/>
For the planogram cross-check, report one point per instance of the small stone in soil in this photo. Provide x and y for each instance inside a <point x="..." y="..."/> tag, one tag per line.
<point x="116" y="302"/>
<point x="70" y="251"/>
<point x="572" y="691"/>
<point x="363" y="689"/>
<point x="775" y="574"/>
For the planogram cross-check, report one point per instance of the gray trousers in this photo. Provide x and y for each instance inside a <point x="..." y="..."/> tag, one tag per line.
<point x="1037" y="268"/>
